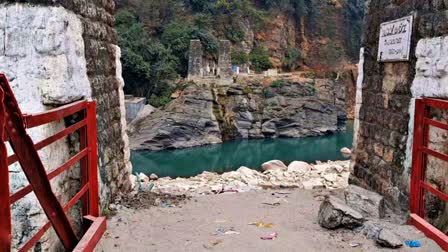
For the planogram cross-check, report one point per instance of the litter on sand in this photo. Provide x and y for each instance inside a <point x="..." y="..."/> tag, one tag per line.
<point x="226" y="231"/>
<point x="261" y="224"/>
<point x="271" y="236"/>
<point x="354" y="244"/>
<point x="413" y="243"/>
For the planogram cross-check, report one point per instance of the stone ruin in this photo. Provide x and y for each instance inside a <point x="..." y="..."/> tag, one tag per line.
<point x="201" y="68"/>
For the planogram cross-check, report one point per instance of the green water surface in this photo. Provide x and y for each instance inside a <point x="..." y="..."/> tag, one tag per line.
<point x="232" y="155"/>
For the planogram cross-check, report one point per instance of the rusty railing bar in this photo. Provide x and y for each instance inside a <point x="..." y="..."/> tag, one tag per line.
<point x="72" y="161"/>
<point x="437" y="124"/>
<point x="31" y="242"/>
<point x="434" y="153"/>
<point x="40" y="145"/>
<point x="56" y="114"/>
<point x="434" y="191"/>
<point x="436" y="103"/>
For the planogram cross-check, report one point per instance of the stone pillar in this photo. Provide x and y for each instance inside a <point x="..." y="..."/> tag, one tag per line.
<point x="224" y="60"/>
<point x="195" y="59"/>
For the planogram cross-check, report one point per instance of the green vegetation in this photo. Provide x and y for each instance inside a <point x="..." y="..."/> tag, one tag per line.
<point x="279" y="83"/>
<point x="239" y="57"/>
<point x="292" y="55"/>
<point x="259" y="58"/>
<point x="148" y="66"/>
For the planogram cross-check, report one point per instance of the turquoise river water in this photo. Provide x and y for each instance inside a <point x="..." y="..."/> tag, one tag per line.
<point x="232" y="155"/>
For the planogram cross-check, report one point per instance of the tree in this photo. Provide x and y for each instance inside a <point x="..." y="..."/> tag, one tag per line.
<point x="292" y="55"/>
<point x="259" y="58"/>
<point x="148" y="66"/>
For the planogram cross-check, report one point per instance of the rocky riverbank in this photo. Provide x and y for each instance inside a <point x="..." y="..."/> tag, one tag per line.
<point x="300" y="106"/>
<point x="328" y="175"/>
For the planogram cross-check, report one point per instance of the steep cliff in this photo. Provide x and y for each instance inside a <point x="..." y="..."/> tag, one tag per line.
<point x="294" y="106"/>
<point x="288" y="35"/>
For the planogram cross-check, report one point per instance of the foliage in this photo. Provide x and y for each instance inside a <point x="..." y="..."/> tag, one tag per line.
<point x="278" y="84"/>
<point x="239" y="57"/>
<point x="259" y="58"/>
<point x="292" y="55"/>
<point x="148" y="65"/>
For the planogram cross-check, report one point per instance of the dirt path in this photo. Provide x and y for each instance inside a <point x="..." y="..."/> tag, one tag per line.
<point x="192" y="226"/>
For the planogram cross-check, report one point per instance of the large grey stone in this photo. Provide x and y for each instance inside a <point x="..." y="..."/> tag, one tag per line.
<point x="368" y="203"/>
<point x="273" y="165"/>
<point x="334" y="213"/>
<point x="388" y="239"/>
<point x="299" y="167"/>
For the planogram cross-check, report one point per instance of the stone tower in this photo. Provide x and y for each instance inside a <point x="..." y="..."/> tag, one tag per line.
<point x="224" y="60"/>
<point x="195" y="60"/>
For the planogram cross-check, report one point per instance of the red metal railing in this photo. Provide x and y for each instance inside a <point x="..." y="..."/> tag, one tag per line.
<point x="420" y="155"/>
<point x="13" y="126"/>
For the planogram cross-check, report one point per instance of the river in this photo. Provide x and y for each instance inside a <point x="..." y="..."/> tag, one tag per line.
<point x="232" y="155"/>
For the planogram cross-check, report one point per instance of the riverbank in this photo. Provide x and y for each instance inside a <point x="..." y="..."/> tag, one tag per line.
<point x="301" y="175"/>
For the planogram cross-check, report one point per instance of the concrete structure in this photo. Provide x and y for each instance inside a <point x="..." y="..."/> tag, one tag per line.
<point x="55" y="53"/>
<point x="133" y="106"/>
<point x="224" y="60"/>
<point x="195" y="69"/>
<point x="385" y="103"/>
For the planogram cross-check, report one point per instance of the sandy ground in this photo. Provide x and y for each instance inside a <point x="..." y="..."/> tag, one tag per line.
<point x="192" y="226"/>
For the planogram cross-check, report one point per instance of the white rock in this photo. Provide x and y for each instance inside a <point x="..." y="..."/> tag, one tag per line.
<point x="299" y="167"/>
<point x="133" y="179"/>
<point x="217" y="188"/>
<point x="153" y="176"/>
<point x="315" y="183"/>
<point x="143" y="178"/>
<point x="346" y="151"/>
<point x="273" y="165"/>
<point x="330" y="177"/>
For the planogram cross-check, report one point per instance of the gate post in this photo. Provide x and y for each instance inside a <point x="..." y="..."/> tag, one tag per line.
<point x="93" y="160"/>
<point x="5" y="206"/>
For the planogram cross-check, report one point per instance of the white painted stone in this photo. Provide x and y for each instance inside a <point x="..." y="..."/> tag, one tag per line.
<point x="42" y="54"/>
<point x="124" y="135"/>
<point x="359" y="84"/>
<point x="299" y="167"/>
<point x="431" y="80"/>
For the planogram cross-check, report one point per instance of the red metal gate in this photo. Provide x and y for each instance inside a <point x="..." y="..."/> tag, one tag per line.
<point x="420" y="154"/>
<point x="13" y="126"/>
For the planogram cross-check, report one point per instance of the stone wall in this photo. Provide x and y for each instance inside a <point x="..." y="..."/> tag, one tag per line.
<point x="382" y="157"/>
<point x="54" y="53"/>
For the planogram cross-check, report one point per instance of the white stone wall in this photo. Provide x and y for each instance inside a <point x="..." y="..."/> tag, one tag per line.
<point x="431" y="80"/>
<point x="359" y="85"/>
<point x="42" y="54"/>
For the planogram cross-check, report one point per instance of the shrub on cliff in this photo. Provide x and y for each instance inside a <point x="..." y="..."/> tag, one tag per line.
<point x="259" y="59"/>
<point x="148" y="66"/>
<point x="292" y="56"/>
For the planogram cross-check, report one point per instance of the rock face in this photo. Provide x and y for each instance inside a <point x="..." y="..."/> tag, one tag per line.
<point x="186" y="122"/>
<point x="247" y="109"/>
<point x="366" y="202"/>
<point x="334" y="213"/>
<point x="273" y="165"/>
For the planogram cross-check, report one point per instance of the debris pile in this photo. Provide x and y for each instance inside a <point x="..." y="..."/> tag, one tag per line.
<point x="359" y="210"/>
<point x="328" y="175"/>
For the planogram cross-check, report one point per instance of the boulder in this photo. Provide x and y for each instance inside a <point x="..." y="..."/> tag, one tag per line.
<point x="346" y="151"/>
<point x="388" y="239"/>
<point x="273" y="165"/>
<point x="334" y="213"/>
<point x="299" y="167"/>
<point x="368" y="203"/>
<point x="142" y="177"/>
<point x="153" y="176"/>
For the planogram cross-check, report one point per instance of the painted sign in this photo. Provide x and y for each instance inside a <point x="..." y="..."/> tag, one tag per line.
<point x="395" y="40"/>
